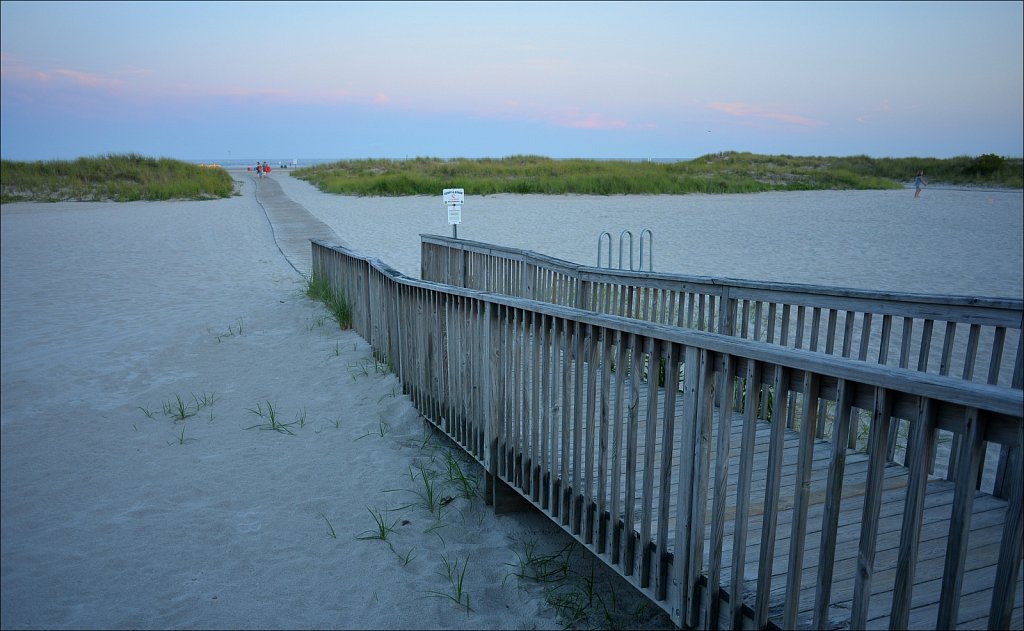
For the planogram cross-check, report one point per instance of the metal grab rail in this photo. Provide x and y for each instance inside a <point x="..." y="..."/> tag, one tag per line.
<point x="622" y="236"/>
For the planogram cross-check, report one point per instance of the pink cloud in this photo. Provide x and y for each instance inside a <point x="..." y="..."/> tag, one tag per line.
<point x="137" y="85"/>
<point x="593" y="121"/>
<point x="745" y="110"/>
<point x="20" y="73"/>
<point x="10" y="68"/>
<point x="87" y="79"/>
<point x="235" y="92"/>
<point x="885" y="110"/>
<point x="559" y="117"/>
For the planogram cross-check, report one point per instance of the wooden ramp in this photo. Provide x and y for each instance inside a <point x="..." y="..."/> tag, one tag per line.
<point x="986" y="525"/>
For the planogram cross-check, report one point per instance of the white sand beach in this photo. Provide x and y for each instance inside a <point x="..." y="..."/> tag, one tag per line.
<point x="115" y="514"/>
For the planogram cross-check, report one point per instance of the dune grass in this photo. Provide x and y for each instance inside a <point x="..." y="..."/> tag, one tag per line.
<point x="319" y="288"/>
<point x="119" y="178"/>
<point x="727" y="172"/>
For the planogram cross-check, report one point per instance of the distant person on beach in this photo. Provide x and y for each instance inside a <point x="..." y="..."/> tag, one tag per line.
<point x="919" y="183"/>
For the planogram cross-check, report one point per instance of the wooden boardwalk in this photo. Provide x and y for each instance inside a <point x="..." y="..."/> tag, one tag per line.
<point x="988" y="517"/>
<point x="702" y="466"/>
<point x="292" y="224"/>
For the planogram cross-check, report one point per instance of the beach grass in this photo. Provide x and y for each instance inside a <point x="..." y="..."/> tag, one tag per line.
<point x="726" y="172"/>
<point x="119" y="178"/>
<point x="330" y="527"/>
<point x="318" y="288"/>
<point x="384" y="527"/>
<point x="269" y="415"/>
<point x="457" y="579"/>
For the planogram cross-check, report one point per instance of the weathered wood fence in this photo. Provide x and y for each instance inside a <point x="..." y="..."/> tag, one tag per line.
<point x="661" y="449"/>
<point x="980" y="338"/>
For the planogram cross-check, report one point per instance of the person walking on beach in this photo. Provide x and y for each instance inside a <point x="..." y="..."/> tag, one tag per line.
<point x="919" y="183"/>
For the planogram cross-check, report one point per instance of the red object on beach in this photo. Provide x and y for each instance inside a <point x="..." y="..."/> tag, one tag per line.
<point x="267" y="169"/>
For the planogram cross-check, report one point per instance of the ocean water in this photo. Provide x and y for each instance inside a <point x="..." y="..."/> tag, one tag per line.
<point x="950" y="241"/>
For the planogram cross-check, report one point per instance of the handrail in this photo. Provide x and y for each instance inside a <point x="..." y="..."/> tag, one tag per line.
<point x="646" y="295"/>
<point x="622" y="235"/>
<point x="562" y="405"/>
<point x="650" y="252"/>
<point x="943" y="334"/>
<point x="599" y="238"/>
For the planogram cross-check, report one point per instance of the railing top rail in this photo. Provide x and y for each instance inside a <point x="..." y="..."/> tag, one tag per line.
<point x="597" y="274"/>
<point x="1003" y="401"/>
<point x="512" y="253"/>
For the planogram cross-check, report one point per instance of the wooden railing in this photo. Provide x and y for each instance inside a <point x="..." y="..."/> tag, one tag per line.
<point x="976" y="332"/>
<point x="612" y="427"/>
<point x="977" y="339"/>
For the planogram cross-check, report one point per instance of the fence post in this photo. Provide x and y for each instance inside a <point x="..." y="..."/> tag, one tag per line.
<point x="726" y="309"/>
<point x="487" y="395"/>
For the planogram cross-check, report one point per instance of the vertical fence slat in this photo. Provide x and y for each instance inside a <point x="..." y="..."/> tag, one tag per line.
<point x="575" y="484"/>
<point x="666" y="474"/>
<point x="1005" y="590"/>
<point x="798" y="532"/>
<point x="632" y="430"/>
<point x="773" y="483"/>
<point x="682" y="590"/>
<point x="877" y="456"/>
<point x="594" y="368"/>
<point x="650" y="458"/>
<point x="833" y="497"/>
<point x="910" y="534"/>
<point x="608" y="342"/>
<point x="727" y="380"/>
<point x="743" y="488"/>
<point x="622" y="341"/>
<point x="560" y="502"/>
<point x="960" y="520"/>
<point x="705" y="401"/>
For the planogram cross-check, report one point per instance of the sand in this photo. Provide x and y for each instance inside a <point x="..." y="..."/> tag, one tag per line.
<point x="963" y="242"/>
<point x="116" y="515"/>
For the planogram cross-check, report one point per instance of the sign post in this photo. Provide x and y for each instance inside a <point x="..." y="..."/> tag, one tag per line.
<point x="453" y="198"/>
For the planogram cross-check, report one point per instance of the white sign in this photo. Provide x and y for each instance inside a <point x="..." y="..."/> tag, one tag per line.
<point x="454" y="214"/>
<point x="454" y="196"/>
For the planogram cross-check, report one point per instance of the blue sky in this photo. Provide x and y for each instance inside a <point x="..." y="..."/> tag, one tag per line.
<point x="279" y="80"/>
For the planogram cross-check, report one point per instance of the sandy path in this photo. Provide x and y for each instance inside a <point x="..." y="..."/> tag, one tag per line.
<point x="115" y="515"/>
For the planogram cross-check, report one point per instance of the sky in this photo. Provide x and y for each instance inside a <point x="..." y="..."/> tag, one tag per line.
<point x="631" y="80"/>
